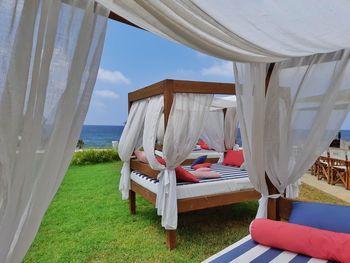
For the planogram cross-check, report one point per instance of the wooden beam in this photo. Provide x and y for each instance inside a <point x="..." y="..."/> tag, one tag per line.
<point x="118" y="18"/>
<point x="185" y="86"/>
<point x="202" y="202"/>
<point x="143" y="168"/>
<point x="147" y="92"/>
<point x="144" y="192"/>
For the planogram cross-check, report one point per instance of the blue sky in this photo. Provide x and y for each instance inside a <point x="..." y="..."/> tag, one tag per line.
<point x="133" y="58"/>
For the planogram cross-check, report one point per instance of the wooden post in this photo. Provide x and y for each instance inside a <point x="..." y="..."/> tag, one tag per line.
<point x="132" y="202"/>
<point x="168" y="100"/>
<point x="171" y="239"/>
<point x="272" y="207"/>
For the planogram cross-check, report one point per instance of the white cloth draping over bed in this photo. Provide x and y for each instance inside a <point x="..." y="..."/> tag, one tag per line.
<point x="213" y="130"/>
<point x="50" y="54"/>
<point x="240" y="30"/>
<point x="305" y="105"/>
<point x="184" y="126"/>
<point x="250" y="87"/>
<point x="231" y="126"/>
<point x="130" y="140"/>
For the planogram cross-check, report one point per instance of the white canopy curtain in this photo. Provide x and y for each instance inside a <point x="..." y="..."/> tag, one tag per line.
<point x="50" y="53"/>
<point x="250" y="92"/>
<point x="246" y="31"/>
<point x="307" y="101"/>
<point x="220" y="128"/>
<point x="231" y="126"/>
<point x="213" y="130"/>
<point x="184" y="127"/>
<point x="130" y="140"/>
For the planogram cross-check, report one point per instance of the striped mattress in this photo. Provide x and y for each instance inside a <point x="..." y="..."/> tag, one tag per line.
<point x="232" y="180"/>
<point x="247" y="250"/>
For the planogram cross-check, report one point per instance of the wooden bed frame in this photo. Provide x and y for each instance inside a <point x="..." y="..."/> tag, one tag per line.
<point x="167" y="88"/>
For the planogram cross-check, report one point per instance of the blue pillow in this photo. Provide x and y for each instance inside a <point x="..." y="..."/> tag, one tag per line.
<point x="200" y="159"/>
<point x="323" y="216"/>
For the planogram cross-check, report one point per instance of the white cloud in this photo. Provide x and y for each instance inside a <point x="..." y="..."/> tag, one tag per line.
<point x="222" y="69"/>
<point x="114" y="77"/>
<point x="107" y="94"/>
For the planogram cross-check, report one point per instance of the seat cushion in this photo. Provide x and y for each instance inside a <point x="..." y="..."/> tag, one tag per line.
<point x="234" y="158"/>
<point x="323" y="216"/>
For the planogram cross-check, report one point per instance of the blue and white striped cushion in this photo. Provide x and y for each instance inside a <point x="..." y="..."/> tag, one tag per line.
<point x="247" y="250"/>
<point x="226" y="172"/>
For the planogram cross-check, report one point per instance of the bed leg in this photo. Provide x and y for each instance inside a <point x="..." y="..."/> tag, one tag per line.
<point x="170" y="239"/>
<point x="132" y="202"/>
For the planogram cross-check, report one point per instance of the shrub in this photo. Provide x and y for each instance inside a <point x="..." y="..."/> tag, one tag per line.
<point x="92" y="156"/>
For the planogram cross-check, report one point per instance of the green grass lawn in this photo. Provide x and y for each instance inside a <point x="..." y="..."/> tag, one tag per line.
<point x="88" y="222"/>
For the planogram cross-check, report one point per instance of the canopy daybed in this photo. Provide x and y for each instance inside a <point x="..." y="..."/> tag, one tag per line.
<point x="232" y="187"/>
<point x="50" y="54"/>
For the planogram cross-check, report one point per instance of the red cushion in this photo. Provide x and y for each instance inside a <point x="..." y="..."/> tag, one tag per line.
<point x="300" y="239"/>
<point x="201" y="165"/>
<point x="160" y="160"/>
<point x="184" y="175"/>
<point x="181" y="174"/>
<point x="233" y="158"/>
<point x="203" y="145"/>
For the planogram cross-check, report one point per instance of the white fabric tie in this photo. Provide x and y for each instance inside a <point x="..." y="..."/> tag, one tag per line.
<point x="263" y="201"/>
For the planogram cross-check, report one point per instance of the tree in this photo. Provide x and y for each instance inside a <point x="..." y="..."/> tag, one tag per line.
<point x="80" y="144"/>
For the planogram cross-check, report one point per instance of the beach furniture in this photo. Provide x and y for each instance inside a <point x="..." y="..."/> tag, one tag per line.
<point x="232" y="187"/>
<point x="323" y="167"/>
<point x="339" y="167"/>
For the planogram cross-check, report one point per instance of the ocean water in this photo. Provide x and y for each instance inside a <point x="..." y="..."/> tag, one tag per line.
<point x="100" y="136"/>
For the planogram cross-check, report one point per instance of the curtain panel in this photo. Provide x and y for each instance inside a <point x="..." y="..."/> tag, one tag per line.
<point x="184" y="127"/>
<point x="50" y="53"/>
<point x="285" y="131"/>
<point x="130" y="140"/>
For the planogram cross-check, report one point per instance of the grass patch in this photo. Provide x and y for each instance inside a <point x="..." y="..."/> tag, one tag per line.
<point x="88" y="222"/>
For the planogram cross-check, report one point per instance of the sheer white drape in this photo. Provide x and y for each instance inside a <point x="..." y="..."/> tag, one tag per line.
<point x="250" y="88"/>
<point x="240" y="30"/>
<point x="306" y="104"/>
<point x="231" y="125"/>
<point x="154" y="116"/>
<point x="213" y="130"/>
<point x="50" y="53"/>
<point x="131" y="139"/>
<point x="184" y="127"/>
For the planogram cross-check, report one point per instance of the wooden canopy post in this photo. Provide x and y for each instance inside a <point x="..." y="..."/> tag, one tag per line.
<point x="272" y="206"/>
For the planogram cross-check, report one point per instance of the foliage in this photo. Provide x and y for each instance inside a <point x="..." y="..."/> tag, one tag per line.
<point x="88" y="222"/>
<point x="80" y="144"/>
<point x="93" y="156"/>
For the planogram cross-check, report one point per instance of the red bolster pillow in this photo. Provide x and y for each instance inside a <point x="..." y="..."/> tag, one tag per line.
<point x="313" y="242"/>
<point x="201" y="165"/>
<point x="181" y="174"/>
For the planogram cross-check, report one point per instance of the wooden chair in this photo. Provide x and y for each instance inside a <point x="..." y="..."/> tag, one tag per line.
<point x="339" y="172"/>
<point x="323" y="167"/>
